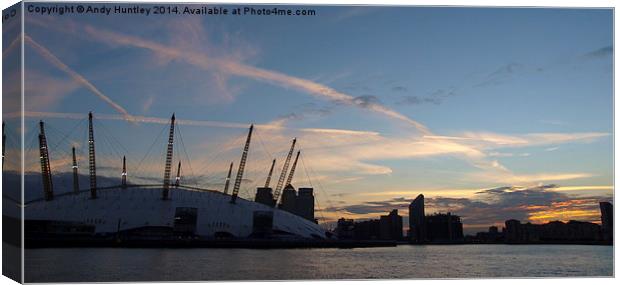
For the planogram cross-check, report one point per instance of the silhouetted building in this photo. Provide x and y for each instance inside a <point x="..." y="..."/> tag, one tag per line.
<point x="607" y="221"/>
<point x="289" y="195"/>
<point x="417" y="220"/>
<point x="388" y="227"/>
<point x="264" y="195"/>
<point x="391" y="226"/>
<point x="345" y="228"/>
<point x="367" y="230"/>
<point x="444" y="228"/>
<point x="304" y="204"/>
<point x="300" y="203"/>
<point x="513" y="230"/>
<point x="492" y="236"/>
<point x="556" y="231"/>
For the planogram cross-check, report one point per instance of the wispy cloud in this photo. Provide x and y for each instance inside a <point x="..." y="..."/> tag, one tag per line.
<point x="525" y="179"/>
<point x="531" y="139"/>
<point x="355" y="12"/>
<point x="493" y="206"/>
<point x="232" y="67"/>
<point x="45" y="53"/>
<point x="416" y="100"/>
<point x="9" y="49"/>
<point x="146" y="106"/>
<point x="359" y="153"/>
<point x="200" y="123"/>
<point x="600" y="53"/>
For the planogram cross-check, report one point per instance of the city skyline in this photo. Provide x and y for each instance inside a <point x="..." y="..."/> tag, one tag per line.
<point x="508" y="116"/>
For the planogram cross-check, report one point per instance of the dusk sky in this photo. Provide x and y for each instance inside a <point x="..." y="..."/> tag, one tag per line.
<point x="490" y="113"/>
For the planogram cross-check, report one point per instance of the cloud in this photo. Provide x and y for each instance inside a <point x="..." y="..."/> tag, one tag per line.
<point x="16" y="42"/>
<point x="501" y="74"/>
<point x="166" y="121"/>
<point x="236" y="68"/>
<point x="600" y="53"/>
<point x="415" y="100"/>
<point x="400" y="89"/>
<point x="46" y="91"/>
<point x="508" y="177"/>
<point x="553" y="122"/>
<point x="45" y="53"/>
<point x="354" y="12"/>
<point x="582" y="188"/>
<point x="366" y="101"/>
<point x="305" y="111"/>
<point x="436" y="97"/>
<point x="493" y="206"/>
<point x="359" y="153"/>
<point x="495" y="140"/>
<point x="375" y="207"/>
<point x="508" y="154"/>
<point x="146" y="106"/>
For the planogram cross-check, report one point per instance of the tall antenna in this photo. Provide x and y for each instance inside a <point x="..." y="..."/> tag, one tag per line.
<point x="124" y="175"/>
<point x="177" y="179"/>
<point x="168" y="160"/>
<point x="92" y="169"/>
<point x="276" y="194"/>
<point x="290" y="175"/>
<point x="244" y="157"/>
<point x="273" y="163"/>
<point x="76" y="182"/>
<point x="228" y="179"/>
<point x="46" y="171"/>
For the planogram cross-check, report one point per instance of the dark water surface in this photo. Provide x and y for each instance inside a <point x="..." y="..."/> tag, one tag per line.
<point x="405" y="261"/>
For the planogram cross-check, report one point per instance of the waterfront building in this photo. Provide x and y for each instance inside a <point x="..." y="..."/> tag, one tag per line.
<point x="367" y="230"/>
<point x="345" y="228"/>
<point x="387" y="227"/>
<point x="304" y="204"/>
<point x="492" y="236"/>
<point x="150" y="212"/>
<point x="391" y="226"/>
<point x="264" y="195"/>
<point x="444" y="227"/>
<point x="289" y="195"/>
<point x="417" y="220"/>
<point x="607" y="220"/>
<point x="556" y="231"/>
<point x="300" y="203"/>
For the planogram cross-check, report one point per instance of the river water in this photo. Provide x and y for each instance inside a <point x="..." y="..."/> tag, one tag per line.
<point x="404" y="261"/>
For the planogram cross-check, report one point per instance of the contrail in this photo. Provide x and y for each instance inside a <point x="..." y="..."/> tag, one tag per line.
<point x="243" y="70"/>
<point x="77" y="77"/>
<point x="473" y="155"/>
<point x="11" y="46"/>
<point x="198" y="123"/>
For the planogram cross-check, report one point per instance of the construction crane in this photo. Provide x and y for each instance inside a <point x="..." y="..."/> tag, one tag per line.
<point x="273" y="163"/>
<point x="289" y="180"/>
<point x="276" y="194"/>
<point x="228" y="179"/>
<point x="244" y="157"/>
<point x="169" y="150"/>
